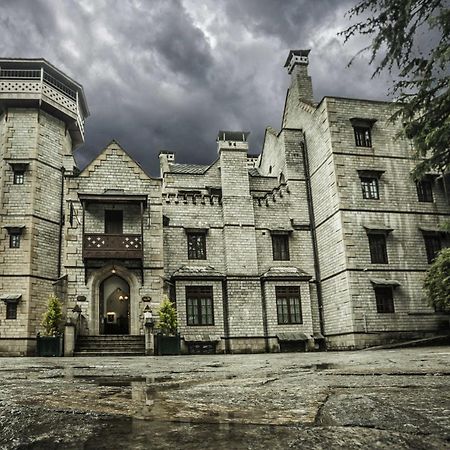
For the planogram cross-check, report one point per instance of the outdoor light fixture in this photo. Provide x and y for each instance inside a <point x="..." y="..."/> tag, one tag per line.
<point x="113" y="270"/>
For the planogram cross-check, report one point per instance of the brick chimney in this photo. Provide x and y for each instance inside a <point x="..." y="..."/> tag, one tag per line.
<point x="165" y="158"/>
<point x="297" y="66"/>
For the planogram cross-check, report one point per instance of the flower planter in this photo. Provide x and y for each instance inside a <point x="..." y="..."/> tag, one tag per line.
<point x="49" y="346"/>
<point x="167" y="345"/>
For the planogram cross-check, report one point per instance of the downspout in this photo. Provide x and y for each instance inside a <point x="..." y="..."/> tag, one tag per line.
<point x="226" y="324"/>
<point x="313" y="233"/>
<point x="61" y="221"/>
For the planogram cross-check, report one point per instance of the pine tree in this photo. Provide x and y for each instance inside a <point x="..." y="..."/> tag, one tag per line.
<point x="437" y="281"/>
<point x="168" y="320"/>
<point x="52" y="319"/>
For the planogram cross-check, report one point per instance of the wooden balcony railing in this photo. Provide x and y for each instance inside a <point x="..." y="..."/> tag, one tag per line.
<point x="114" y="246"/>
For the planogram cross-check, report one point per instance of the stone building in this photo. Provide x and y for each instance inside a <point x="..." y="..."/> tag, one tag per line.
<point x="321" y="240"/>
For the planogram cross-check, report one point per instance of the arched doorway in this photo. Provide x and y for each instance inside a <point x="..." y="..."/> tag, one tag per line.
<point x="114" y="306"/>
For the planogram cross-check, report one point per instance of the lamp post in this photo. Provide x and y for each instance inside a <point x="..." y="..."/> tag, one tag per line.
<point x="149" y="336"/>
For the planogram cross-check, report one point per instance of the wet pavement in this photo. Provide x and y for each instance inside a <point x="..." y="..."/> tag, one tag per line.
<point x="385" y="399"/>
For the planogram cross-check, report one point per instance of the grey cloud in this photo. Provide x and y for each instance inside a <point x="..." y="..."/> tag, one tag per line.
<point x="169" y="75"/>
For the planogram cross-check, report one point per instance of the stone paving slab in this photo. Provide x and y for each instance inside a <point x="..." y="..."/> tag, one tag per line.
<point x="385" y="399"/>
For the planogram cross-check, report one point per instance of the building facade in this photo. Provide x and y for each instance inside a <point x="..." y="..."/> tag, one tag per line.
<point x="321" y="240"/>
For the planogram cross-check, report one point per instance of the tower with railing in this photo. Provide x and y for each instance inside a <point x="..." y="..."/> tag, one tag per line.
<point x="42" y="114"/>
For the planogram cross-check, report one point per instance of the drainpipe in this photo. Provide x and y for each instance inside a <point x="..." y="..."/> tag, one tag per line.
<point x="313" y="233"/>
<point x="61" y="221"/>
<point x="226" y="324"/>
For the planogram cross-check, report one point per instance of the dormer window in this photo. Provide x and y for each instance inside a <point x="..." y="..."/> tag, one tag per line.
<point x="362" y="129"/>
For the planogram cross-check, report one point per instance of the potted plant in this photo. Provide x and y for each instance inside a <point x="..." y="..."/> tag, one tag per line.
<point x="167" y="339"/>
<point x="51" y="343"/>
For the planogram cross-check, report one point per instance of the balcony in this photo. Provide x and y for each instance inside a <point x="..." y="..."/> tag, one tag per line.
<point x="38" y="83"/>
<point x="112" y="246"/>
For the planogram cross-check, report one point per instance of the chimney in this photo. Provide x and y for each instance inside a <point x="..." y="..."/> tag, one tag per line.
<point x="232" y="140"/>
<point x="165" y="158"/>
<point x="297" y="66"/>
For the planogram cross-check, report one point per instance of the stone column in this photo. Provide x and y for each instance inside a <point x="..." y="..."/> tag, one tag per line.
<point x="69" y="339"/>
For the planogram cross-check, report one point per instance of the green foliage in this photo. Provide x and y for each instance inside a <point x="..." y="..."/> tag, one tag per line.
<point x="168" y="320"/>
<point x="52" y="319"/>
<point x="437" y="281"/>
<point x="412" y="37"/>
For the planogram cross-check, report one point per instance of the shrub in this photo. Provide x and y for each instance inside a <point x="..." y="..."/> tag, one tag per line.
<point x="437" y="281"/>
<point x="167" y="315"/>
<point x="52" y="318"/>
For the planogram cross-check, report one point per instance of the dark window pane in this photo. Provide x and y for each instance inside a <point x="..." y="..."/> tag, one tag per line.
<point x="113" y="222"/>
<point x="19" y="177"/>
<point x="369" y="186"/>
<point x="385" y="300"/>
<point x="378" y="251"/>
<point x="280" y="247"/>
<point x="432" y="246"/>
<point x="363" y="137"/>
<point x="14" y="241"/>
<point x="288" y="304"/>
<point x="196" y="245"/>
<point x="11" y="310"/>
<point x="199" y="305"/>
<point x="424" y="191"/>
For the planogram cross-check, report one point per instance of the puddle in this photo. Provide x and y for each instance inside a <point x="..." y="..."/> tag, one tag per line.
<point x="320" y="366"/>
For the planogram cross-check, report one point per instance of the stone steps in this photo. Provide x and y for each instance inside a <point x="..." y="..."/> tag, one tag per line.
<point x="110" y="345"/>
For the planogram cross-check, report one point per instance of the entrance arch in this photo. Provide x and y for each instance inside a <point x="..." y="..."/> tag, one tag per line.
<point x="114" y="304"/>
<point x="96" y="280"/>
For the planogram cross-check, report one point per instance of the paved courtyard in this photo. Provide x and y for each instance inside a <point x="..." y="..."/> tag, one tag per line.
<point x="384" y="399"/>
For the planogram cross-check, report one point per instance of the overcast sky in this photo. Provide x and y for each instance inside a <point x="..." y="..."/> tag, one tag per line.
<point x="168" y="74"/>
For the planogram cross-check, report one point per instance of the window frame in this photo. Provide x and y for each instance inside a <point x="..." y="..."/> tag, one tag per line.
<point x="18" y="177"/>
<point x="14" y="240"/>
<point x="363" y="135"/>
<point x="199" y="306"/>
<point x="385" y="304"/>
<point x="196" y="248"/>
<point x="425" y="191"/>
<point x="280" y="247"/>
<point x="367" y="185"/>
<point x="432" y="250"/>
<point x="11" y="314"/>
<point x="288" y="305"/>
<point x="378" y="254"/>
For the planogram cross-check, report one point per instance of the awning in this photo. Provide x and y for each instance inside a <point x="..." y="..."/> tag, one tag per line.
<point x="370" y="172"/>
<point x="201" y="338"/>
<point x="377" y="228"/>
<point x="384" y="282"/>
<point x="10" y="298"/>
<point x="285" y="273"/>
<point x="297" y="336"/>
<point x="113" y="197"/>
<point x="362" y="121"/>
<point x="14" y="229"/>
<point x="318" y="336"/>
<point x="432" y="230"/>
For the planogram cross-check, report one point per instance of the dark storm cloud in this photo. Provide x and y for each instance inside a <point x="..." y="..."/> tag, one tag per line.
<point x="162" y="74"/>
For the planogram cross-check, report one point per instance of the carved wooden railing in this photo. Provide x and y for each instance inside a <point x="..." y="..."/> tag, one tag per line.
<point x="116" y="246"/>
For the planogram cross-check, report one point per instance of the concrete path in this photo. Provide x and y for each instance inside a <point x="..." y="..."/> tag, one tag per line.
<point x="386" y="399"/>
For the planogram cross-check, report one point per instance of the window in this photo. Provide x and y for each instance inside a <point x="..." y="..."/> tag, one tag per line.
<point x="424" y="191"/>
<point x="432" y="246"/>
<point x="280" y="247"/>
<point x="378" y="251"/>
<point x="199" y="305"/>
<point x="11" y="310"/>
<point x="113" y="222"/>
<point x="196" y="245"/>
<point x="14" y="240"/>
<point x="369" y="186"/>
<point x="385" y="300"/>
<point x="19" y="177"/>
<point x="362" y="136"/>
<point x="288" y="305"/>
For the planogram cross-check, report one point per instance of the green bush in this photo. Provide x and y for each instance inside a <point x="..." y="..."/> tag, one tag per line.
<point x="52" y="318"/>
<point x="437" y="281"/>
<point x="168" y="320"/>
